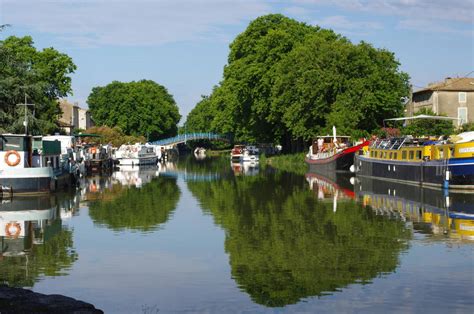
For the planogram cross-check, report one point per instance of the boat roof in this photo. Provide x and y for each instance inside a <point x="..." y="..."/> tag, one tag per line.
<point x="421" y="116"/>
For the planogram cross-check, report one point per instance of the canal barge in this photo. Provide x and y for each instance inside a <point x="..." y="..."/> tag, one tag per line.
<point x="328" y="154"/>
<point x="420" y="162"/>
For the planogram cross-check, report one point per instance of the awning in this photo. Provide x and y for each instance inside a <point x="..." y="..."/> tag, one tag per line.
<point x="421" y="116"/>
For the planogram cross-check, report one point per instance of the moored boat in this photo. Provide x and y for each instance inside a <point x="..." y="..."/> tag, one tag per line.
<point x="237" y="152"/>
<point x="136" y="155"/>
<point x="424" y="162"/>
<point x="332" y="153"/>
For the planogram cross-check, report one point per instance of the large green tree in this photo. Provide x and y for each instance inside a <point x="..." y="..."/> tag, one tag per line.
<point x="287" y="82"/>
<point x="44" y="76"/>
<point x="137" y="108"/>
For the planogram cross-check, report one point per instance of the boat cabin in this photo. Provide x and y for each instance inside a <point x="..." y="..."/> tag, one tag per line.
<point x="328" y="143"/>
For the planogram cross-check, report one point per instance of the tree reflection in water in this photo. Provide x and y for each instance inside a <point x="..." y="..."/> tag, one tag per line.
<point x="140" y="209"/>
<point x="285" y="245"/>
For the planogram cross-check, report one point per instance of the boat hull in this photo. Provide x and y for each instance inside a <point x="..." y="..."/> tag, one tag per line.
<point x="152" y="160"/>
<point x="27" y="181"/>
<point x="424" y="173"/>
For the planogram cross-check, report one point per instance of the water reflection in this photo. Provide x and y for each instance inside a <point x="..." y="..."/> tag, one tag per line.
<point x="136" y="200"/>
<point x="433" y="212"/>
<point x="33" y="240"/>
<point x="285" y="245"/>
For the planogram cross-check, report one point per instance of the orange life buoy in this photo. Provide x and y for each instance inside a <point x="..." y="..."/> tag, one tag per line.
<point x="93" y="187"/>
<point x="12" y="229"/>
<point x="93" y="150"/>
<point x="9" y="161"/>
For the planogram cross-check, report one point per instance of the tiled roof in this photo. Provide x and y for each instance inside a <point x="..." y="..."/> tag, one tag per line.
<point x="451" y="84"/>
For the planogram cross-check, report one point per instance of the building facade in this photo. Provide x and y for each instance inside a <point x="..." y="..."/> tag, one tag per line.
<point x="74" y="117"/>
<point x="454" y="97"/>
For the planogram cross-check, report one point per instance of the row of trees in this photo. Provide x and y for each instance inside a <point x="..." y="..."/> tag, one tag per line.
<point x="44" y="76"/>
<point x="287" y="81"/>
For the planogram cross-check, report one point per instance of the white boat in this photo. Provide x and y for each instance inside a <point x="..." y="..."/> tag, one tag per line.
<point x="136" y="155"/>
<point x="200" y="153"/>
<point x="28" y="165"/>
<point x="250" y="154"/>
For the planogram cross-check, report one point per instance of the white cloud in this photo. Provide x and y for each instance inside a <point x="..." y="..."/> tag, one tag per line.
<point x="142" y="22"/>
<point x="453" y="10"/>
<point x="341" y="23"/>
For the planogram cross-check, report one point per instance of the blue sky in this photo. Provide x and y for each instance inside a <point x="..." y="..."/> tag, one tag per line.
<point x="183" y="45"/>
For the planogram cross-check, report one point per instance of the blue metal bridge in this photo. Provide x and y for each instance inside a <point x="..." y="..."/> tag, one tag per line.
<point x="183" y="138"/>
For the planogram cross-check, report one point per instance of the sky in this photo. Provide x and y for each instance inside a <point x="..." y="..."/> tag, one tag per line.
<point x="183" y="45"/>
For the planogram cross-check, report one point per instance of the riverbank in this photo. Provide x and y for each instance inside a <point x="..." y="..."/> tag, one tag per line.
<point x="18" y="300"/>
<point x="292" y="163"/>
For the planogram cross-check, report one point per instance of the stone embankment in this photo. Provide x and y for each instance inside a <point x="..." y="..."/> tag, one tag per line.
<point x="17" y="300"/>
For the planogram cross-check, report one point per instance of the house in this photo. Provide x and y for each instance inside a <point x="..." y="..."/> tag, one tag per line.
<point x="74" y="117"/>
<point x="453" y="97"/>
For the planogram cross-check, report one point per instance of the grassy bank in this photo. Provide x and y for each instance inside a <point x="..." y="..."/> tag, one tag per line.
<point x="291" y="163"/>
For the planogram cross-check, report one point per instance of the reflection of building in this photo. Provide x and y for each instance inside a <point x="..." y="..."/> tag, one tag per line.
<point x="429" y="210"/>
<point x="74" y="117"/>
<point x="453" y="97"/>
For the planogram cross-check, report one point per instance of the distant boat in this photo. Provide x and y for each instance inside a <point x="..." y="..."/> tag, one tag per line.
<point x="237" y="152"/>
<point x="136" y="155"/>
<point x="250" y="154"/>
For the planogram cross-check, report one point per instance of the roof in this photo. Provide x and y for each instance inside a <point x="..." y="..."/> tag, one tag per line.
<point x="451" y="84"/>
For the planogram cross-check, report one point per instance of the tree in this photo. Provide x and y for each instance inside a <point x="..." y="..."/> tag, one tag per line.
<point x="42" y="75"/>
<point x="112" y="136"/>
<point x="142" y="108"/>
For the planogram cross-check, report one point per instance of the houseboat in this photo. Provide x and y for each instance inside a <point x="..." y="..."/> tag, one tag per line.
<point x="250" y="154"/>
<point x="424" y="162"/>
<point x="97" y="158"/>
<point x="29" y="165"/>
<point x="136" y="155"/>
<point x="332" y="153"/>
<point x="237" y="152"/>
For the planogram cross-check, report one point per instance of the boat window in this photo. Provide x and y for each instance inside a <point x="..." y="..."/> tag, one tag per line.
<point x="13" y="143"/>
<point x="411" y="155"/>
<point x="418" y="154"/>
<point x="395" y="155"/>
<point x="441" y="153"/>
<point x="404" y="154"/>
<point x="391" y="155"/>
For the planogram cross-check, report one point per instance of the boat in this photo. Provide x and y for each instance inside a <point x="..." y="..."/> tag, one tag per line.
<point x="420" y="161"/>
<point x="97" y="158"/>
<point x="237" y="152"/>
<point x="136" y="155"/>
<point x="200" y="153"/>
<point x="333" y="153"/>
<point x="29" y="165"/>
<point x="250" y="154"/>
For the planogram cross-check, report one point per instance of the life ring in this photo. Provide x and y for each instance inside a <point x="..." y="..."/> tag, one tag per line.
<point x="93" y="187"/>
<point x="12" y="229"/>
<point x="16" y="161"/>
<point x="93" y="150"/>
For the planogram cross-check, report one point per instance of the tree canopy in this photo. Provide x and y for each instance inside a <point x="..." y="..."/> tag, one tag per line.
<point x="142" y="108"/>
<point x="43" y="75"/>
<point x="426" y="127"/>
<point x="289" y="81"/>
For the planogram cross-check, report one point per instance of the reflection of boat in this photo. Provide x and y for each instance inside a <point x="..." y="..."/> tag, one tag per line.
<point x="22" y="223"/>
<point x="332" y="153"/>
<point x="134" y="176"/>
<point x="328" y="189"/>
<point x="429" y="209"/>
<point x="420" y="162"/>
<point x="245" y="168"/>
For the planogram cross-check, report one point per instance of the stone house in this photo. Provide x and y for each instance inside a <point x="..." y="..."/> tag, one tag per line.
<point x="74" y="117"/>
<point x="453" y="97"/>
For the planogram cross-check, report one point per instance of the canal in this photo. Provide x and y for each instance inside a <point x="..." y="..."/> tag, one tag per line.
<point x="208" y="236"/>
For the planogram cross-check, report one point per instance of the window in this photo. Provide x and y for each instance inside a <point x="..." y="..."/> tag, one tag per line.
<point x="404" y="154"/>
<point x="412" y="154"/>
<point x="462" y="97"/>
<point x="462" y="115"/>
<point x="418" y="154"/>
<point x="395" y="156"/>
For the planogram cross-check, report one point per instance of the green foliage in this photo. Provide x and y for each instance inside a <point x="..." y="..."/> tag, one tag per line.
<point x="139" y="209"/>
<point x="289" y="81"/>
<point x="284" y="245"/>
<point x="427" y="127"/>
<point x="43" y="75"/>
<point x="112" y="136"/>
<point x="466" y="127"/>
<point x="142" y="108"/>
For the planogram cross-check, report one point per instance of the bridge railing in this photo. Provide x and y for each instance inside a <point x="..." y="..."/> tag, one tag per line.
<point x="181" y="138"/>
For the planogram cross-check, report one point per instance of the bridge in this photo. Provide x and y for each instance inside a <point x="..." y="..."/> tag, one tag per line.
<point x="183" y="138"/>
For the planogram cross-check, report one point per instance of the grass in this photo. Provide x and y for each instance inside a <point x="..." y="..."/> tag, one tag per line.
<point x="292" y="163"/>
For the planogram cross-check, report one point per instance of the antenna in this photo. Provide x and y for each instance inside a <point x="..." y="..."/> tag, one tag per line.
<point x="25" y="122"/>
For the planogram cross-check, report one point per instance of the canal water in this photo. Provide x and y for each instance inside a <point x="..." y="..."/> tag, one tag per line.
<point x="208" y="236"/>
